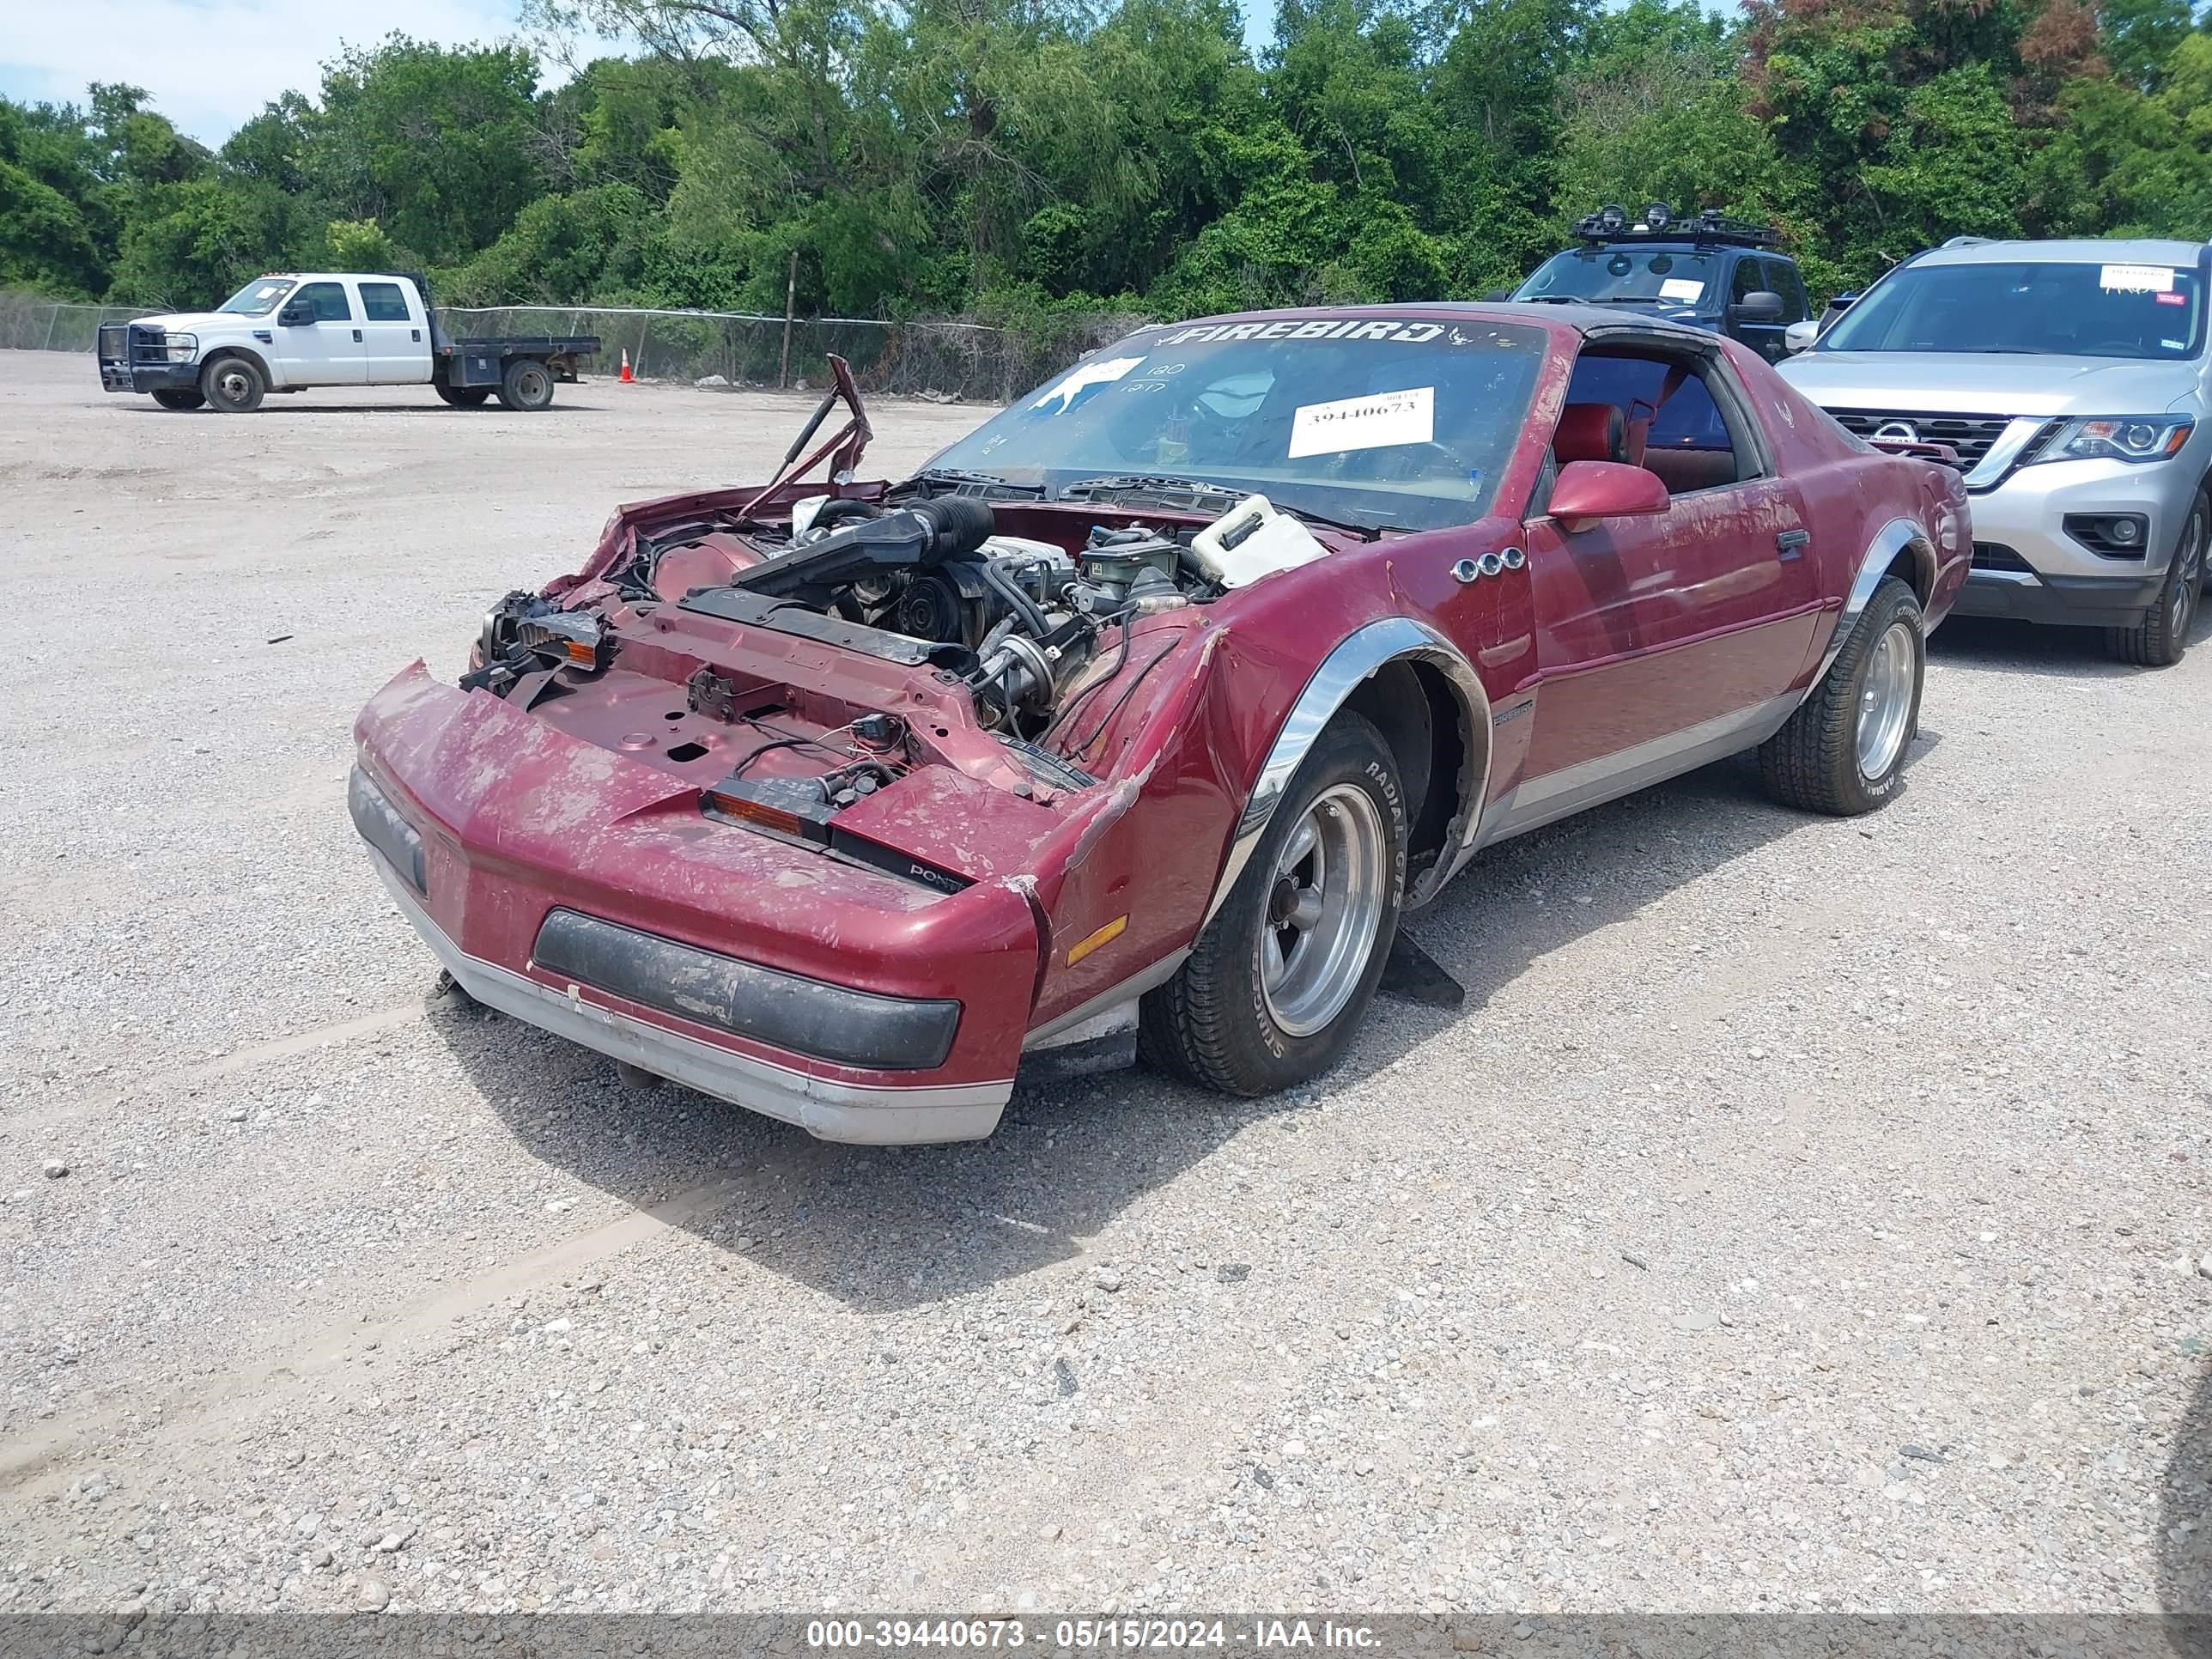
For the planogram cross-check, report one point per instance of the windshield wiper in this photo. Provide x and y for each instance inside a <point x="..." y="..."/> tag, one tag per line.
<point x="1145" y="483"/>
<point x="954" y="476"/>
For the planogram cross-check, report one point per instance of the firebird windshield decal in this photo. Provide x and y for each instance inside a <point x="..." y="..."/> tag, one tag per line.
<point x="1381" y="420"/>
<point x="1357" y="328"/>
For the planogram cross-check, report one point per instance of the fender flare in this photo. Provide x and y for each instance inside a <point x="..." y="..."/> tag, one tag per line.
<point x="1896" y="537"/>
<point x="1366" y="649"/>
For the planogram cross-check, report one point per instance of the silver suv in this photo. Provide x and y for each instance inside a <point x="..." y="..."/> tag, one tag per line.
<point x="2071" y="378"/>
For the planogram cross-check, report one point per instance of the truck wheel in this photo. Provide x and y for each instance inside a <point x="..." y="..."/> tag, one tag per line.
<point x="2159" y="640"/>
<point x="527" y="384"/>
<point x="1281" y="977"/>
<point x="1843" y="751"/>
<point x="233" y="385"/>
<point x="180" y="397"/>
<point x="463" y="396"/>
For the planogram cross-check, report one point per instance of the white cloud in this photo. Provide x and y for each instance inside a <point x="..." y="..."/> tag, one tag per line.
<point x="212" y="64"/>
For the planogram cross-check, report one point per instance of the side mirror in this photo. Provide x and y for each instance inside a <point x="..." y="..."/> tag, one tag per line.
<point x="1799" y="336"/>
<point x="1589" y="491"/>
<point x="1761" y="305"/>
<point x="293" y="315"/>
<point x="1498" y="294"/>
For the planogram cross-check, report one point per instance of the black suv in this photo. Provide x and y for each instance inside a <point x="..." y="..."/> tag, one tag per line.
<point x="1708" y="271"/>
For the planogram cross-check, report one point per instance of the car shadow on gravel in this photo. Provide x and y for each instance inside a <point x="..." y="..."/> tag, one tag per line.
<point x="2036" y="648"/>
<point x="2183" y="1543"/>
<point x="886" y="1230"/>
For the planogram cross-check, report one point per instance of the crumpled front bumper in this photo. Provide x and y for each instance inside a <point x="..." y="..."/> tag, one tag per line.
<point x="584" y="892"/>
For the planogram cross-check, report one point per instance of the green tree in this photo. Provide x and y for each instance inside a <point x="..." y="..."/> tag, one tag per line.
<point x="435" y="145"/>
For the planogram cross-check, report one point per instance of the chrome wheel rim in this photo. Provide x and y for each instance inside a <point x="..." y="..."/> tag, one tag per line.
<point x="1324" y="905"/>
<point x="2182" y="607"/>
<point x="1886" y="700"/>
<point x="233" y="384"/>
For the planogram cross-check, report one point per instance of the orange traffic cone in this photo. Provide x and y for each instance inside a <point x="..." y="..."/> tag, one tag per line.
<point x="627" y="378"/>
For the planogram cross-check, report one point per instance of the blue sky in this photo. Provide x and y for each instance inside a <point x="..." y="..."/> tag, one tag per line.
<point x="212" y="64"/>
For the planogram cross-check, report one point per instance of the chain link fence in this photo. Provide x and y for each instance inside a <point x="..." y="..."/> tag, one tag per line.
<point x="27" y="324"/>
<point x="941" y="359"/>
<point x="973" y="361"/>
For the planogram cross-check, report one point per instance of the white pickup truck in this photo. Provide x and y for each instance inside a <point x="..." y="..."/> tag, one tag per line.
<point x="294" y="330"/>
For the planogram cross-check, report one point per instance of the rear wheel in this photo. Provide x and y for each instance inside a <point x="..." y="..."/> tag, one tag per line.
<point x="463" y="397"/>
<point x="1843" y="751"/>
<point x="526" y="385"/>
<point x="180" y="397"/>
<point x="1281" y="977"/>
<point x="233" y="385"/>
<point x="2161" y="638"/>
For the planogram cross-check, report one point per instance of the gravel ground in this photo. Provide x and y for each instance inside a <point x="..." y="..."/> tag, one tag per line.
<point x="1802" y="1214"/>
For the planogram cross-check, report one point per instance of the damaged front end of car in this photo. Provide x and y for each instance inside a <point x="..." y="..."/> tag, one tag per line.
<point x="817" y="798"/>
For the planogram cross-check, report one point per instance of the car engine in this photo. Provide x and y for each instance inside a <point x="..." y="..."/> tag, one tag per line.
<point x="1020" y="621"/>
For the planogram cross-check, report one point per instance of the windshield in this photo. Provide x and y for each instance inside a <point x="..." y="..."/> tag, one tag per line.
<point x="258" y="297"/>
<point x="1596" y="273"/>
<point x="1373" y="420"/>
<point x="2043" y="307"/>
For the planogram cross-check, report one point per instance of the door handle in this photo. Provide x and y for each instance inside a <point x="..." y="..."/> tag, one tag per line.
<point x="1791" y="542"/>
<point x="356" y="336"/>
<point x="415" y="334"/>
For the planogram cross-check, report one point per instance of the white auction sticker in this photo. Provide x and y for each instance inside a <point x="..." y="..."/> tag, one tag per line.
<point x="1089" y="375"/>
<point x="2138" y="279"/>
<point x="1378" y="421"/>
<point x="1681" y="287"/>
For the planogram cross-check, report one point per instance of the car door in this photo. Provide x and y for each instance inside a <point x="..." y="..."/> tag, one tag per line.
<point x="1664" y="640"/>
<point x="393" y="346"/>
<point x="328" y="349"/>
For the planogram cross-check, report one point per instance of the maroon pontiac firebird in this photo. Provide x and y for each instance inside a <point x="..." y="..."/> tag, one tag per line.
<point x="1135" y="718"/>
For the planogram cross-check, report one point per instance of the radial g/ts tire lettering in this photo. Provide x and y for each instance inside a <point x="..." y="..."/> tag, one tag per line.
<point x="1843" y="751"/>
<point x="1280" y="978"/>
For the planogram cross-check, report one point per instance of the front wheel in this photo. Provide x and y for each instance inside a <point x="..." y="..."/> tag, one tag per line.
<point x="1279" y="979"/>
<point x="180" y="397"/>
<point x="233" y="385"/>
<point x="526" y="385"/>
<point x="2162" y="637"/>
<point x="462" y="397"/>
<point x="1843" y="751"/>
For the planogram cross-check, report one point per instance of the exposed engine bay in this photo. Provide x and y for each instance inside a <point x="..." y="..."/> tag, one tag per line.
<point x="1019" y="621"/>
<point x="823" y="669"/>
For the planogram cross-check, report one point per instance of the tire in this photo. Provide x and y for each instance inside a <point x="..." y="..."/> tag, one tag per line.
<point x="462" y="397"/>
<point x="233" y="385"/>
<point x="527" y="385"/>
<point x="1843" y="752"/>
<point x="2160" y="640"/>
<point x="1220" y="1022"/>
<point x="180" y="397"/>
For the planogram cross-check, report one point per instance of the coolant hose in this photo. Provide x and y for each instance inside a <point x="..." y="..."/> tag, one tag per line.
<point x="995" y="574"/>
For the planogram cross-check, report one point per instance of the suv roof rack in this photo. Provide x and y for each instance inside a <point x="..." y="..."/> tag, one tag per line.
<point x="1708" y="229"/>
<point x="1970" y="241"/>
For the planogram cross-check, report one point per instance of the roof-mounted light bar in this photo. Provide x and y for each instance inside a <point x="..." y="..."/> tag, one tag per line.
<point x="1707" y="228"/>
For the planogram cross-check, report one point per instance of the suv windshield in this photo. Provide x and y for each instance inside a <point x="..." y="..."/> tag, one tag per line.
<point x="2062" y="309"/>
<point x="258" y="297"/>
<point x="1371" y="421"/>
<point x="1596" y="273"/>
